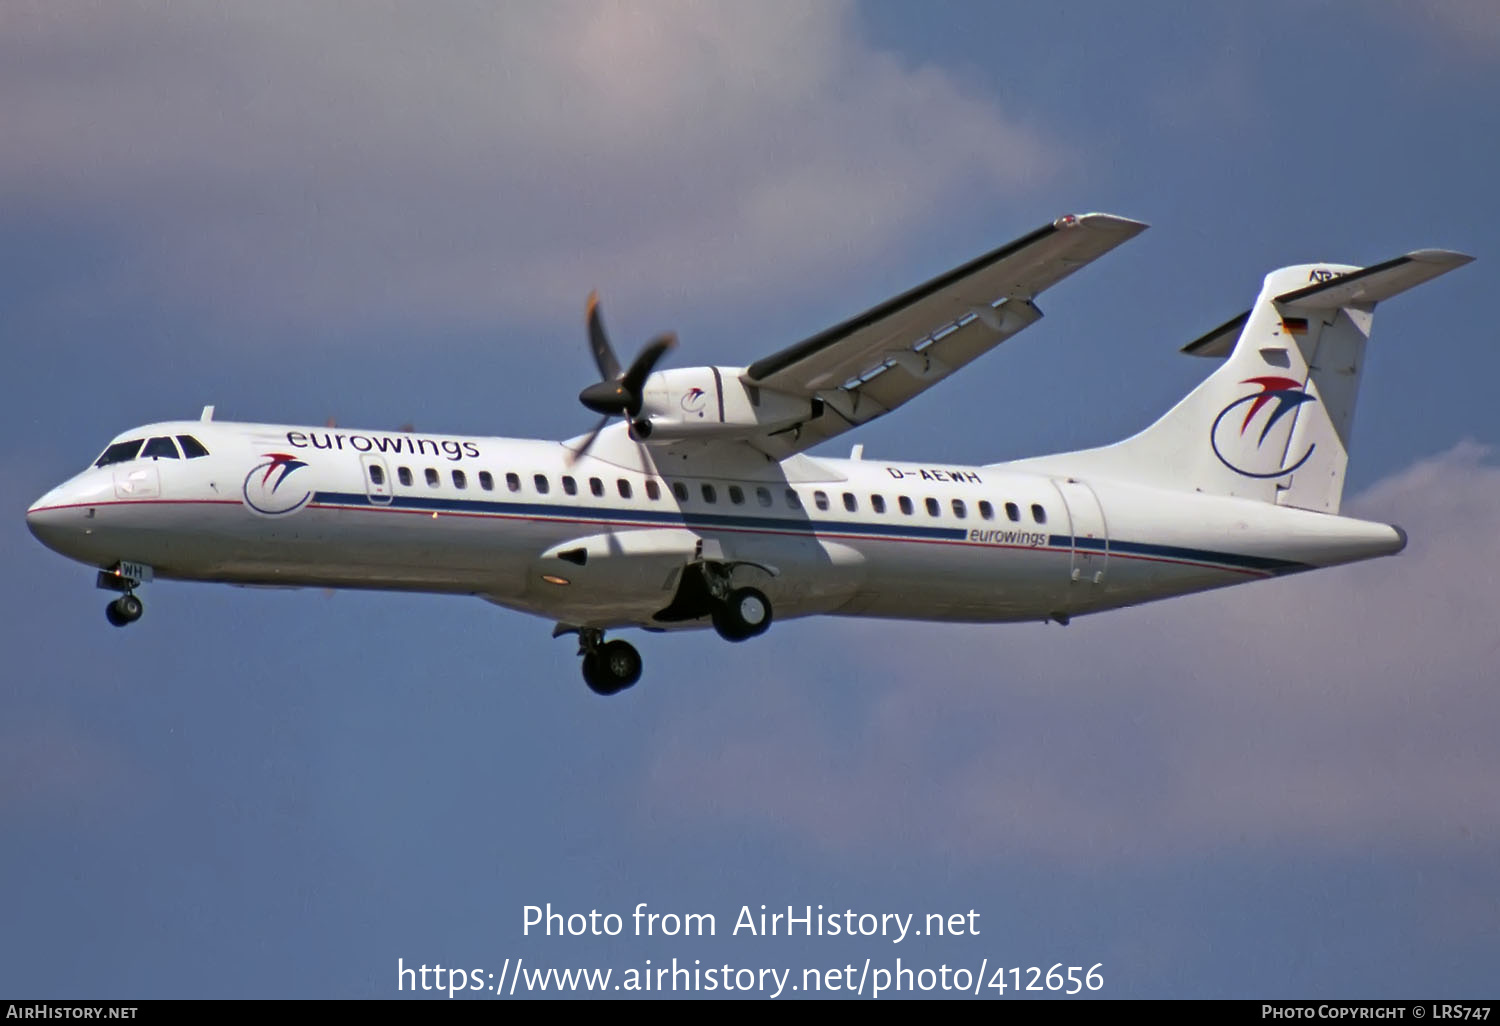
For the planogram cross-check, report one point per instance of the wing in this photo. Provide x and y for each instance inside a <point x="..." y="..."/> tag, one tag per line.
<point x="872" y="363"/>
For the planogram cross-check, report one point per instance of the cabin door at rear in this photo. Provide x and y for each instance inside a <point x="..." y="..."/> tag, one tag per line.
<point x="1090" y="534"/>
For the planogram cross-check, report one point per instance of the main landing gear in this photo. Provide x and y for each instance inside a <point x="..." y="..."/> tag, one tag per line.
<point x="609" y="667"/>
<point x="707" y="589"/>
<point x="738" y="614"/>
<point x="741" y="614"/>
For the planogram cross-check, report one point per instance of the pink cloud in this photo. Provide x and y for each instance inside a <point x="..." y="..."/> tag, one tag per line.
<point x="353" y="161"/>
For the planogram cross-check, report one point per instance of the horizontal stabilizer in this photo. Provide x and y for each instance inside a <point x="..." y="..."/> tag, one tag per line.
<point x="1220" y="341"/>
<point x="1373" y="284"/>
<point x="1366" y="286"/>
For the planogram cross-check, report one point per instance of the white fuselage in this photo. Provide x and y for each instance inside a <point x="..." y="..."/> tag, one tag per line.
<point x="603" y="541"/>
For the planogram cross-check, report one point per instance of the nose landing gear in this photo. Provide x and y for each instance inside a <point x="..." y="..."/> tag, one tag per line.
<point x="124" y="578"/>
<point x="126" y="609"/>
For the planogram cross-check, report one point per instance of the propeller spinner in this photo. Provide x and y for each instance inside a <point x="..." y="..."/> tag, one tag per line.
<point x="617" y="393"/>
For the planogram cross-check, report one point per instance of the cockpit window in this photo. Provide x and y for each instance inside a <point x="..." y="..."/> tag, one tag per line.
<point x="159" y="449"/>
<point x="191" y="447"/>
<point x="119" y="453"/>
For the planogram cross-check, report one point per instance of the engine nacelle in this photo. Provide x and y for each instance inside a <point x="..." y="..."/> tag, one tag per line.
<point x="701" y="402"/>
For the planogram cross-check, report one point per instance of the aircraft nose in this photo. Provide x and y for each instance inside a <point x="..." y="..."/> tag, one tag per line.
<point x="54" y="518"/>
<point x="43" y="518"/>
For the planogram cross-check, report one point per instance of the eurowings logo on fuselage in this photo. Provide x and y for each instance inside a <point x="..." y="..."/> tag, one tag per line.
<point x="263" y="492"/>
<point x="1247" y="452"/>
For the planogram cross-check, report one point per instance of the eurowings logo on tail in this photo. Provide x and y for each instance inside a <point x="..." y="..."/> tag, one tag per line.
<point x="1261" y="454"/>
<point x="262" y="488"/>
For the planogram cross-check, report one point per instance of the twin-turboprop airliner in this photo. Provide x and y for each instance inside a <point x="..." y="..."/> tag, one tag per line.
<point x="701" y="506"/>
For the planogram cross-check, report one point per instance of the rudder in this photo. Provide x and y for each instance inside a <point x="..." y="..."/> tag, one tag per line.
<point x="1273" y="422"/>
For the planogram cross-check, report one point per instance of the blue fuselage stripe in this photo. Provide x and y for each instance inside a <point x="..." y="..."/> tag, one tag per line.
<point x="1267" y="563"/>
<point x="803" y="525"/>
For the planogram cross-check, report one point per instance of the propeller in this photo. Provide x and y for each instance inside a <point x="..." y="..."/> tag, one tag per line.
<point x="617" y="393"/>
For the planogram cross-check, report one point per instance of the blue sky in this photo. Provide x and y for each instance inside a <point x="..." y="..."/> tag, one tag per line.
<point x="386" y="214"/>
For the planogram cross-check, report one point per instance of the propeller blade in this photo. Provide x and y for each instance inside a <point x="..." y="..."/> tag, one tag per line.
<point x="589" y="442"/>
<point x="606" y="397"/>
<point x="617" y="393"/>
<point x="604" y="356"/>
<point x="623" y="395"/>
<point x="641" y="369"/>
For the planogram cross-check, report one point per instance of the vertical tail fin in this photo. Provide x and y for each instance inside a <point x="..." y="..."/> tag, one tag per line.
<point x="1272" y="423"/>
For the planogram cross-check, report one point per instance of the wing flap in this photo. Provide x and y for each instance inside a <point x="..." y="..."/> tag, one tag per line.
<point x="1219" y="342"/>
<point x="899" y="376"/>
<point x="891" y="382"/>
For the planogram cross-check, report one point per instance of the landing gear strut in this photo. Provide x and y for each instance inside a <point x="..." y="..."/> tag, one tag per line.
<point x="609" y="667"/>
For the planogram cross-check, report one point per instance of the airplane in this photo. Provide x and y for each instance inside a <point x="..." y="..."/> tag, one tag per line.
<point x="694" y="502"/>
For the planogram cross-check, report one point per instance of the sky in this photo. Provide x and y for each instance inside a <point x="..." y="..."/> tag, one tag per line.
<point x="389" y="213"/>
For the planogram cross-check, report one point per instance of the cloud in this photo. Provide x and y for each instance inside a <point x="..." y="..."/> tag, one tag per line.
<point x="361" y="161"/>
<point x="1472" y="26"/>
<point x="1339" y="710"/>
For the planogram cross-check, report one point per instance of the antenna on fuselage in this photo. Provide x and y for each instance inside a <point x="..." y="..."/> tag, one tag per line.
<point x="207" y="414"/>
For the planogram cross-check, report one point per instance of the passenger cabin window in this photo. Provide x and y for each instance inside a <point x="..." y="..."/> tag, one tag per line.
<point x="851" y="503"/>
<point x="460" y="480"/>
<point x="986" y="510"/>
<point x="540" y="480"/>
<point x="653" y="490"/>
<point x="403" y="474"/>
<point x="487" y="480"/>
<point x="432" y="478"/>
<point x="736" y="494"/>
<point x="377" y="476"/>
<point x="877" y="503"/>
<point x="191" y="447"/>
<point x="933" y="509"/>
<point x="569" y="485"/>
<point x="162" y="448"/>
<point x="680" y="490"/>
<point x="959" y="510"/>
<point x="906" y="507"/>
<point x="1013" y="512"/>
<point x="513" y="482"/>
<point x="597" y="487"/>
<point x="793" y="500"/>
<point x="1038" y="514"/>
<point x="763" y="496"/>
<point x="820" y="499"/>
<point x="709" y="495"/>
<point x="624" y="487"/>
